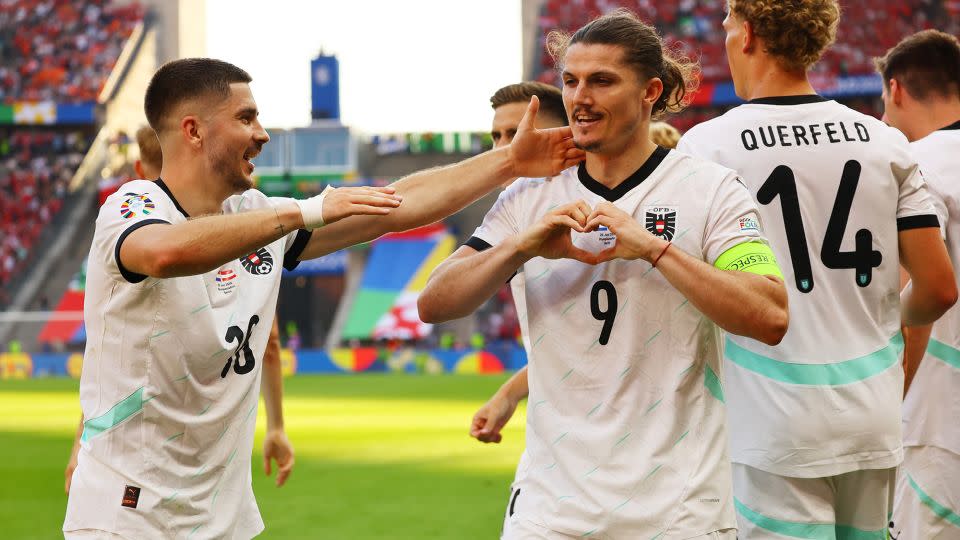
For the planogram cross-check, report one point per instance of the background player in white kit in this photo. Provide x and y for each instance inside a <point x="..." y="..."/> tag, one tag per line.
<point x="921" y="97"/>
<point x="815" y="421"/>
<point x="179" y="308"/>
<point x="509" y="103"/>
<point x="626" y="425"/>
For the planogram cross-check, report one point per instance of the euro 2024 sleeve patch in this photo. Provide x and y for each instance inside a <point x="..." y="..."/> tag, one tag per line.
<point x="136" y="204"/>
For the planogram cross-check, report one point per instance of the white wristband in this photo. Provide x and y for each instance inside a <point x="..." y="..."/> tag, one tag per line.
<point x="312" y="209"/>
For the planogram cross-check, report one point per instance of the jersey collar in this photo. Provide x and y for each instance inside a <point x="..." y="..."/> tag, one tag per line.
<point x="631" y="182"/>
<point x="162" y="185"/>
<point x="955" y="125"/>
<point x="788" y="100"/>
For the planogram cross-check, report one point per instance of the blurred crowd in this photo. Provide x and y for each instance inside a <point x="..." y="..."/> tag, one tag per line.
<point x="61" y="50"/>
<point x="36" y="166"/>
<point x="867" y="29"/>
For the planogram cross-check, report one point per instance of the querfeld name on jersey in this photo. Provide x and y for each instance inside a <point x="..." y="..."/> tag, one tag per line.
<point x="835" y="187"/>
<point x="931" y="408"/>
<point x="171" y="379"/>
<point x="626" y="425"/>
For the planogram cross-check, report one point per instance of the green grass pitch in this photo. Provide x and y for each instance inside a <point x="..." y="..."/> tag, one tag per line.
<point x="378" y="457"/>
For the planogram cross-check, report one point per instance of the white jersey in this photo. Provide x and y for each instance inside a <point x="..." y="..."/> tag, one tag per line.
<point x="625" y="419"/>
<point x="932" y="406"/>
<point x="171" y="381"/>
<point x="835" y="187"/>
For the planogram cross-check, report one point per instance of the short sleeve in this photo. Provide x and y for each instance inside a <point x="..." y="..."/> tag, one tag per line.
<point x="914" y="208"/>
<point x="939" y="201"/>
<point x="732" y="219"/>
<point x="501" y="222"/>
<point x="136" y="204"/>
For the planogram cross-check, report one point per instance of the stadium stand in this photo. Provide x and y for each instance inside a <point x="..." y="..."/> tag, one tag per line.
<point x="868" y="29"/>
<point x="61" y="51"/>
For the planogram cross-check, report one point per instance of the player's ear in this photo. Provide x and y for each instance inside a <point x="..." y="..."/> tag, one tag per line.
<point x="190" y="130"/>
<point x="749" y="38"/>
<point x="896" y="91"/>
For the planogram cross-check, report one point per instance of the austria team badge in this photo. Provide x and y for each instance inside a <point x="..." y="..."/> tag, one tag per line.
<point x="661" y="221"/>
<point x="258" y="263"/>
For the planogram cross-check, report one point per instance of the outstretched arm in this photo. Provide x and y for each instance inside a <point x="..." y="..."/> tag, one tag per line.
<point x="202" y="244"/>
<point x="434" y="194"/>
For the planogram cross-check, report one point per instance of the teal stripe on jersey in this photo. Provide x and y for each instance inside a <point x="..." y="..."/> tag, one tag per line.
<point x="944" y="352"/>
<point x="838" y="373"/>
<point x="712" y="382"/>
<point x="938" y="509"/>
<point x="124" y="409"/>
<point x="808" y="531"/>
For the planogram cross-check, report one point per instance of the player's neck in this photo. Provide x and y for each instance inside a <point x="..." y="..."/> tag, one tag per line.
<point x="190" y="185"/>
<point x="932" y="117"/>
<point x="611" y="169"/>
<point x="770" y="80"/>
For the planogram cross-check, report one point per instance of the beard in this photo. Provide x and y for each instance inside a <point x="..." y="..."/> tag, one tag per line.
<point x="222" y="164"/>
<point x="589" y="147"/>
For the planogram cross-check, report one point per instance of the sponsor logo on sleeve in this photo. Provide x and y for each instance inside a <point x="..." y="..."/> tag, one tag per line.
<point x="258" y="263"/>
<point x="661" y="221"/>
<point x="749" y="225"/>
<point x="136" y="204"/>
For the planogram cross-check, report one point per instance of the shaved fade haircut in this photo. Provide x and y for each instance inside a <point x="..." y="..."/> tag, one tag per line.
<point x="925" y="63"/>
<point x="551" y="99"/>
<point x="187" y="79"/>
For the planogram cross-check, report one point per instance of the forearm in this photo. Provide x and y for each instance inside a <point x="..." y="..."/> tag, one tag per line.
<point x="272" y="385"/>
<point x="921" y="306"/>
<point x="739" y="302"/>
<point x="206" y="243"/>
<point x="428" y="196"/>
<point x="516" y="388"/>
<point x="462" y="284"/>
<point x="915" y="345"/>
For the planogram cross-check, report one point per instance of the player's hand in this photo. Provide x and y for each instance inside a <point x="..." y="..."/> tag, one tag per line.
<point x="550" y="237"/>
<point x="491" y="418"/>
<point x="542" y="152"/>
<point x="335" y="204"/>
<point x="68" y="472"/>
<point x="633" y="240"/>
<point x="276" y="446"/>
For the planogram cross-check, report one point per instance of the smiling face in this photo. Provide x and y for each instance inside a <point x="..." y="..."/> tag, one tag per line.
<point x="234" y="137"/>
<point x="604" y="98"/>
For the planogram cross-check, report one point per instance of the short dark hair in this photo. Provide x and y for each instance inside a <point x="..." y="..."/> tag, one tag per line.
<point x="551" y="99"/>
<point x="643" y="51"/>
<point x="189" y="78"/>
<point x="925" y="63"/>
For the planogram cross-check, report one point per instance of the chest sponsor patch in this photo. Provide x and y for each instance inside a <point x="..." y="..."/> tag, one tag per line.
<point x="226" y="280"/>
<point x="135" y="205"/>
<point x="258" y="263"/>
<point x="749" y="225"/>
<point x="607" y="238"/>
<point x="661" y="221"/>
<point x="131" y="496"/>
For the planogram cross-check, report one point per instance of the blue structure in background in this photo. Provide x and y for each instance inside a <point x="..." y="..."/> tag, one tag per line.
<point x="325" y="88"/>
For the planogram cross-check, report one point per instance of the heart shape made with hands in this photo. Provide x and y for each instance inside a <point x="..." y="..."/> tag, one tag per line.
<point x="591" y="234"/>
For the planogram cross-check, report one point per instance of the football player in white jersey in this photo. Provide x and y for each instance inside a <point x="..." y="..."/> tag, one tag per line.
<point x="276" y="444"/>
<point x="921" y="97"/>
<point x="182" y="285"/>
<point x="509" y="103"/>
<point x="634" y="260"/>
<point x="815" y="421"/>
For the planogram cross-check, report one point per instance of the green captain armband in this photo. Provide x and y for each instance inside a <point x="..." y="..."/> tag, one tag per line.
<point x="753" y="257"/>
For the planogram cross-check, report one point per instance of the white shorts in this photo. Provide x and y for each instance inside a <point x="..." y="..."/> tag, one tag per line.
<point x="927" y="500"/>
<point x="851" y="505"/>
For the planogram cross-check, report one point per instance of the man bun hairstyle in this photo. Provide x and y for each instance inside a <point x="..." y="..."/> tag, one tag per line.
<point x="186" y="79"/>
<point x="643" y="51"/>
<point x="551" y="99"/>
<point x="925" y="63"/>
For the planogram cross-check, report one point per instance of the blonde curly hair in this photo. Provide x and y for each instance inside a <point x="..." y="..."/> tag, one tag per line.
<point x="796" y="32"/>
